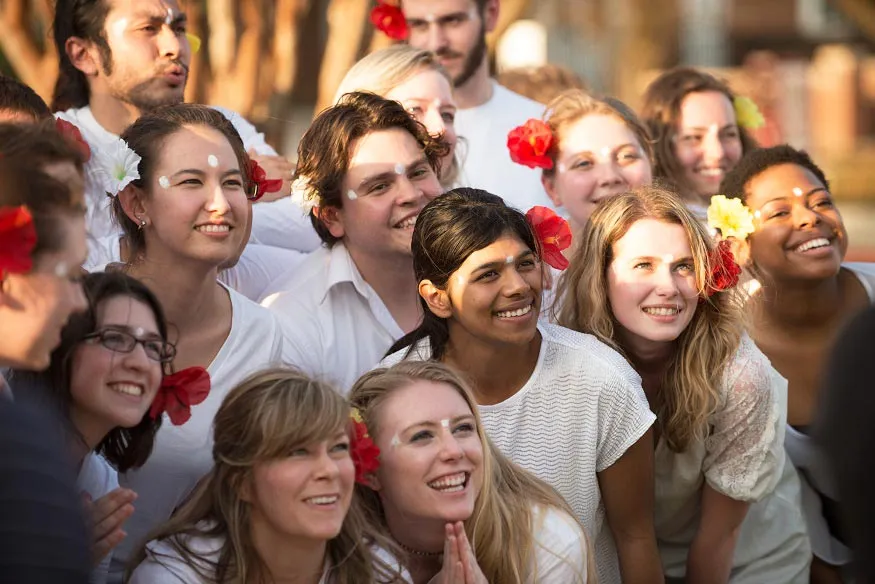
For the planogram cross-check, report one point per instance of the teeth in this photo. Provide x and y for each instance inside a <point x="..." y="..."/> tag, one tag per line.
<point x="408" y="222"/>
<point x="451" y="483"/>
<point x="660" y="311"/>
<point x="814" y="243"/>
<point x="512" y="313"/>
<point x="323" y="500"/>
<point x="711" y="171"/>
<point x="127" y="389"/>
<point x="214" y="228"/>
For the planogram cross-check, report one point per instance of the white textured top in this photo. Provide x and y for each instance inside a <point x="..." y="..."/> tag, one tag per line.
<point x="743" y="458"/>
<point x="560" y="548"/>
<point x="578" y="413"/>
<point x="183" y="454"/>
<point x="97" y="478"/>
<point x="487" y="164"/>
<point x="335" y="326"/>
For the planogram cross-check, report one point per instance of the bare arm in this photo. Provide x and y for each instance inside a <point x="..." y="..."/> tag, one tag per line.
<point x="710" y="558"/>
<point x="627" y="488"/>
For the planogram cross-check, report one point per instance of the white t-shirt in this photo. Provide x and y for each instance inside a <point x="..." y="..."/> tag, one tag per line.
<point x="486" y="163"/>
<point x="282" y="221"/>
<point x="97" y="478"/>
<point x="183" y="454"/>
<point x="578" y="413"/>
<point x="258" y="266"/>
<point x="335" y="326"/>
<point x="560" y="548"/>
<point x="163" y="564"/>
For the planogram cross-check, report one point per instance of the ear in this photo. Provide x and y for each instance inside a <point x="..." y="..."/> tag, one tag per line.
<point x="549" y="183"/>
<point x="83" y="55"/>
<point x="741" y="250"/>
<point x="373" y="482"/>
<point x="133" y="203"/>
<point x="331" y="218"/>
<point x="490" y="15"/>
<point x="244" y="491"/>
<point x="438" y="300"/>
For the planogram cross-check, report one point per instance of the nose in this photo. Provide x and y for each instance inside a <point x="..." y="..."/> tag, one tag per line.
<point x="218" y="202"/>
<point x="434" y="123"/>
<point x="450" y="447"/>
<point x="609" y="175"/>
<point x="665" y="282"/>
<point x="169" y="43"/>
<point x="137" y="359"/>
<point x="437" y="38"/>
<point x="409" y="192"/>
<point x="326" y="466"/>
<point x="805" y="217"/>
<point x="712" y="147"/>
<point x="515" y="284"/>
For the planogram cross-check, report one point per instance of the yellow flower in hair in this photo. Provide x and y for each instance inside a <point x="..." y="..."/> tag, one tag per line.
<point x="730" y="216"/>
<point x="747" y="114"/>
<point x="356" y="415"/>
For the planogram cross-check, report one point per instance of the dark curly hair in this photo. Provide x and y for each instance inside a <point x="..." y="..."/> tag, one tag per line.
<point x="735" y="182"/>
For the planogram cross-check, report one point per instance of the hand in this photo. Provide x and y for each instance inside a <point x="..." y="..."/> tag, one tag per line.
<point x="459" y="564"/>
<point x="275" y="167"/>
<point x="107" y="515"/>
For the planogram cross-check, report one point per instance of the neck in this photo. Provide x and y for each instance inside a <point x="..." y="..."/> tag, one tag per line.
<point x="799" y="304"/>
<point x="497" y="371"/>
<point x="650" y="360"/>
<point x="393" y="281"/>
<point x="89" y="434"/>
<point x="477" y="90"/>
<point x="114" y="115"/>
<point x="289" y="559"/>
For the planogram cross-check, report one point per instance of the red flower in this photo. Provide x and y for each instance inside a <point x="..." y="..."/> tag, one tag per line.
<point x="552" y="232"/>
<point x="17" y="240"/>
<point x="530" y="143"/>
<point x="390" y="20"/>
<point x="263" y="185"/>
<point x="724" y="270"/>
<point x="365" y="454"/>
<point x="180" y="391"/>
<point x="72" y="133"/>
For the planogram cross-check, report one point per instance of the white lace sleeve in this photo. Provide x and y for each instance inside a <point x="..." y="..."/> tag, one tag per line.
<point x="745" y="449"/>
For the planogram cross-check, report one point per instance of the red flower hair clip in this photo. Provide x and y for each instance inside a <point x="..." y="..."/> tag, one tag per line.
<point x="389" y="19"/>
<point x="530" y="144"/>
<point x="263" y="185"/>
<point x="72" y="133"/>
<point x="178" y="392"/>
<point x="724" y="269"/>
<point x="364" y="453"/>
<point x="17" y="240"/>
<point x="554" y="234"/>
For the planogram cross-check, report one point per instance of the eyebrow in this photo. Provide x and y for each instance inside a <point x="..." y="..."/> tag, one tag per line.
<point x="613" y="148"/>
<point x="180" y="17"/>
<point x="813" y="191"/>
<point x="706" y="128"/>
<point x="130" y="330"/>
<point x="389" y="174"/>
<point x="683" y="260"/>
<point x="426" y="100"/>
<point x="430" y="424"/>
<point x="202" y="173"/>
<point x="441" y="19"/>
<point x="501" y="262"/>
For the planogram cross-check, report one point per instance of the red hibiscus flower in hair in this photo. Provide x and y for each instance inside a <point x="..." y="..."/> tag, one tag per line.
<point x="389" y="19"/>
<point x="180" y="391"/>
<point x="364" y="453"/>
<point x="263" y="185"/>
<point x="724" y="270"/>
<point x="553" y="233"/>
<point x="17" y="240"/>
<point x="72" y="133"/>
<point x="530" y="143"/>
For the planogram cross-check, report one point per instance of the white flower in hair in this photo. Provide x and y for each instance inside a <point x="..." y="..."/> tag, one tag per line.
<point x="303" y="196"/>
<point x="117" y="166"/>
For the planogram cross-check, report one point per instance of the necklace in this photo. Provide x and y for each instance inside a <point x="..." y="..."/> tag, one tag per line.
<point x="418" y="553"/>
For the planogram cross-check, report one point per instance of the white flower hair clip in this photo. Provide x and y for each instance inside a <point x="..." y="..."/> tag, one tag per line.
<point x="303" y="195"/>
<point x="117" y="166"/>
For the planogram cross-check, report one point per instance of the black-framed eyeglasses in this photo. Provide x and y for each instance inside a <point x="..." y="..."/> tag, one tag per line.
<point x="124" y="342"/>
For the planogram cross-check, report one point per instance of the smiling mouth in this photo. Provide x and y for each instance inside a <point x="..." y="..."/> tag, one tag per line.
<point x="451" y="483"/>
<point x="223" y="228"/>
<point x="711" y="172"/>
<point x="323" y="500"/>
<point x="662" y="310"/>
<point x="813" y="244"/>
<point x="127" y="389"/>
<point x="515" y="313"/>
<point x="407" y="223"/>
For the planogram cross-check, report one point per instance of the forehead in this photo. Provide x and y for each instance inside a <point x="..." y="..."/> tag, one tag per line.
<point x="126" y="310"/>
<point x="425" y="84"/>
<point x="779" y="181"/>
<point x="191" y="146"/>
<point x="436" y="8"/>
<point x="703" y="108"/>
<point x="131" y="8"/>
<point x="501" y="248"/>
<point x="422" y="401"/>
<point x="383" y="147"/>
<point x="595" y="131"/>
<point x="651" y="237"/>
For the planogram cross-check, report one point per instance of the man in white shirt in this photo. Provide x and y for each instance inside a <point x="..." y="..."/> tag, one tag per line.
<point x="120" y="58"/>
<point x="370" y="171"/>
<point x="455" y="31"/>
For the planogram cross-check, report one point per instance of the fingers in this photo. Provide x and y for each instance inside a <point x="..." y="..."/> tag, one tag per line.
<point x="100" y="548"/>
<point x="110" y="512"/>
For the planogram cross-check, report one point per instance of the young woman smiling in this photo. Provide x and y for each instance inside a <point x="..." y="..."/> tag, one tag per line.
<point x="646" y="279"/>
<point x="560" y="404"/>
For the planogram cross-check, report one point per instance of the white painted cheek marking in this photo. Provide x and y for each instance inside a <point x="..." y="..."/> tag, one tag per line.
<point x="561" y="167"/>
<point x="118" y="29"/>
<point x="797" y="191"/>
<point x="62" y="270"/>
<point x="757" y="214"/>
<point x="212" y="160"/>
<point x="164" y="182"/>
<point x="399" y="169"/>
<point x="395" y="442"/>
<point x="350" y="194"/>
<point x="460" y="279"/>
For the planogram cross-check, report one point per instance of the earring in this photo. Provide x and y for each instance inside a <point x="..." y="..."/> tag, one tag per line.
<point x="142" y="223"/>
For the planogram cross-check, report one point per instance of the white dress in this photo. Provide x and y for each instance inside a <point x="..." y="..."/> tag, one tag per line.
<point x="743" y="458"/>
<point x="578" y="413"/>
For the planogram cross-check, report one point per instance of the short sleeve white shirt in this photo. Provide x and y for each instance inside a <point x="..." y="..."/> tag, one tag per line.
<point x="560" y="548"/>
<point x="183" y="454"/>
<point x="335" y="326"/>
<point x="485" y="157"/>
<point x="97" y="478"/>
<point x="578" y="413"/>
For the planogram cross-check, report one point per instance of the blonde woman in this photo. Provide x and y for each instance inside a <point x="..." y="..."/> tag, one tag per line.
<point x="416" y="80"/>
<point x="278" y="505"/>
<point x="646" y="279"/>
<point x="460" y="509"/>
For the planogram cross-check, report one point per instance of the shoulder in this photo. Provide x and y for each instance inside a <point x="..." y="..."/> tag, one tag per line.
<point x="97" y="476"/>
<point x="865" y="272"/>
<point x="561" y="551"/>
<point x="750" y="373"/>
<point x="164" y="564"/>
<point x="575" y="351"/>
<point x="304" y="285"/>
<point x="420" y="352"/>
<point x="522" y="104"/>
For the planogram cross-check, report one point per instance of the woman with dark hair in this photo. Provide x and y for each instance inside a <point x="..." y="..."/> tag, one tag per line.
<point x="559" y="403"/>
<point x="102" y="380"/>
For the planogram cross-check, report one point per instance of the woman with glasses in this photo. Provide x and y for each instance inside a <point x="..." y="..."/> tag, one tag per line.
<point x="102" y="379"/>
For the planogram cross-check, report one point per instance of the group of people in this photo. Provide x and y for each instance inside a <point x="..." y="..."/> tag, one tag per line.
<point x="463" y="338"/>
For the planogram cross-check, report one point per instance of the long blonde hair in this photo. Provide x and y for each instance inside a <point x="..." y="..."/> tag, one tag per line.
<point x="265" y="418"/>
<point x="689" y="391"/>
<point x="385" y="69"/>
<point x="501" y="527"/>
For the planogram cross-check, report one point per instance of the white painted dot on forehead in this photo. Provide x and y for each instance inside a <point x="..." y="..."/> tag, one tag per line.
<point x="350" y="194"/>
<point x="169" y="17"/>
<point x="437" y="103"/>
<point x="164" y="181"/>
<point x="797" y="191"/>
<point x="605" y="152"/>
<point x="508" y="260"/>
<point x="399" y="168"/>
<point x="430" y="18"/>
<point x="445" y="422"/>
<point x="212" y="160"/>
<point x="668" y="258"/>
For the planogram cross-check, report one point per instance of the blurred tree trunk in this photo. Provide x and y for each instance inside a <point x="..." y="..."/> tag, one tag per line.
<point x="509" y="12"/>
<point x="24" y="37"/>
<point x="860" y="12"/>
<point x="347" y="20"/>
